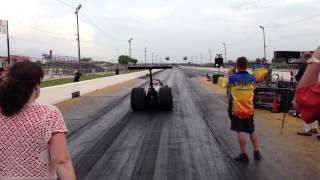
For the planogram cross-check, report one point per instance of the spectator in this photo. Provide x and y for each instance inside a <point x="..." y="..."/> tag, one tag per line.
<point x="77" y="76"/>
<point x="307" y="99"/>
<point x="268" y="68"/>
<point x="312" y="127"/>
<point x="1" y="74"/>
<point x="259" y="71"/>
<point x="32" y="136"/>
<point x="227" y="74"/>
<point x="241" y="108"/>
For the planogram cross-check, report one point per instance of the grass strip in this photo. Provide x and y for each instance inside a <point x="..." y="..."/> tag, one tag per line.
<point x="55" y="82"/>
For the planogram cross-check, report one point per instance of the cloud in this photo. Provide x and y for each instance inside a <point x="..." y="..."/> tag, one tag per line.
<point x="66" y="28"/>
<point x="150" y="14"/>
<point x="29" y="21"/>
<point x="262" y="4"/>
<point x="229" y="14"/>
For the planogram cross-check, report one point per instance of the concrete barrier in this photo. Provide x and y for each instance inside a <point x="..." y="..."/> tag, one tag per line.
<point x="56" y="94"/>
<point x="283" y="73"/>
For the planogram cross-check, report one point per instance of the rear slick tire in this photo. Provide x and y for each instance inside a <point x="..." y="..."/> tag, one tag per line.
<point x="138" y="99"/>
<point x="165" y="98"/>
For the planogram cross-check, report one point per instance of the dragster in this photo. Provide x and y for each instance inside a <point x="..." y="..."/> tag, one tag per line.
<point x="157" y="95"/>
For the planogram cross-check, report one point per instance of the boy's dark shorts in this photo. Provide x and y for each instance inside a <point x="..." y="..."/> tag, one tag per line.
<point x="242" y="125"/>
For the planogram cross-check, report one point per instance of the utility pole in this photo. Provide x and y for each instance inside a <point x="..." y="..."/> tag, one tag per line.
<point x="117" y="53"/>
<point x="196" y="59"/>
<point x="145" y="56"/>
<point x="130" y="46"/>
<point x="157" y="59"/>
<point x="8" y="43"/>
<point x="152" y="58"/>
<point x="225" y="52"/>
<point x="78" y="35"/>
<point x="264" y="42"/>
<point x="210" y="51"/>
<point x="200" y="58"/>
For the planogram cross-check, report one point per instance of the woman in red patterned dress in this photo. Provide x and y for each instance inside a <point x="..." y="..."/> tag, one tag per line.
<point x="33" y="141"/>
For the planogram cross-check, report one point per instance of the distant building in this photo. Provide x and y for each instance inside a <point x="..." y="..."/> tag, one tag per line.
<point x="13" y="59"/>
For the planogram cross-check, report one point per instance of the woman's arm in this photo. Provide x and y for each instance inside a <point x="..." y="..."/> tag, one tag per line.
<point x="60" y="157"/>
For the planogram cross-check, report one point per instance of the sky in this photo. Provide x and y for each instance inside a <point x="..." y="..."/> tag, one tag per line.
<point x="173" y="28"/>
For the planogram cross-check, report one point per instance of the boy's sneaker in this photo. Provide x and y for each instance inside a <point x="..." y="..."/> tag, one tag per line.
<point x="303" y="133"/>
<point x="314" y="131"/>
<point x="257" y="155"/>
<point x="242" y="157"/>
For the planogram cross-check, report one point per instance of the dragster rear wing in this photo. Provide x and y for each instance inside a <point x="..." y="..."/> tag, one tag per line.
<point x="148" y="67"/>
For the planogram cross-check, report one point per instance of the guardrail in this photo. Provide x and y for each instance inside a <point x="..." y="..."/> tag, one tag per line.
<point x="56" y="94"/>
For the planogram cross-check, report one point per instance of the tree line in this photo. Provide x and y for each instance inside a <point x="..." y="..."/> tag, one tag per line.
<point x="125" y="60"/>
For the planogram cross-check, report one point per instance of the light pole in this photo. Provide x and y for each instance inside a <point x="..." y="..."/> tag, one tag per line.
<point x="225" y="52"/>
<point x="130" y="46"/>
<point x="152" y="58"/>
<point x="145" y="56"/>
<point x="117" y="53"/>
<point x="200" y="58"/>
<point x="210" y="51"/>
<point x="78" y="35"/>
<point x="264" y="42"/>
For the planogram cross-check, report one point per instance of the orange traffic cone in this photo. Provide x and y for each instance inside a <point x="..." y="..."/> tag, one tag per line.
<point x="275" y="104"/>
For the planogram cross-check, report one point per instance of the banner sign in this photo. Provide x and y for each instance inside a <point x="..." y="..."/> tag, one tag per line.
<point x="58" y="58"/>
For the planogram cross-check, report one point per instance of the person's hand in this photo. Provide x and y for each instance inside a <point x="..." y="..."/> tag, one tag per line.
<point x="229" y="72"/>
<point x="306" y="56"/>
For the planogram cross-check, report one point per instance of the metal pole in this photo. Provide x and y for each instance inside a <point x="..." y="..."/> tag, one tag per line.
<point x="225" y="53"/>
<point x="8" y="43"/>
<point x="117" y="53"/>
<point x="152" y="58"/>
<point x="145" y="56"/>
<point x="78" y="37"/>
<point x="130" y="46"/>
<point x="210" y="51"/>
<point x="264" y="42"/>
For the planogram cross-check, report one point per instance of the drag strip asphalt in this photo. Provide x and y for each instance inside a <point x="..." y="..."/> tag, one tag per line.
<point x="193" y="141"/>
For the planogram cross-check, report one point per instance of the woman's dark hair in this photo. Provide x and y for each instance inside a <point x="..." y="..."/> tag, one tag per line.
<point x="18" y="85"/>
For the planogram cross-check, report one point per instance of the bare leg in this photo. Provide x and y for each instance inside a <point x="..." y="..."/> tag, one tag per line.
<point x="254" y="140"/>
<point x="242" y="142"/>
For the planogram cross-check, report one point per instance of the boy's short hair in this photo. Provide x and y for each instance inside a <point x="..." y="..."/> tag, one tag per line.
<point x="242" y="62"/>
<point x="259" y="61"/>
